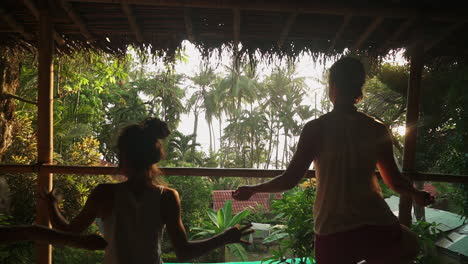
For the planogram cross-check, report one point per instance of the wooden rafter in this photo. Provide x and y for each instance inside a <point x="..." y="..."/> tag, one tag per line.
<point x="188" y="24"/>
<point x="400" y="30"/>
<point x="17" y="27"/>
<point x="77" y="20"/>
<point x="446" y="33"/>
<point x="286" y="28"/>
<point x="132" y="21"/>
<point x="365" y="35"/>
<point x="32" y="7"/>
<point x="236" y="26"/>
<point x="346" y="20"/>
<point x="312" y="7"/>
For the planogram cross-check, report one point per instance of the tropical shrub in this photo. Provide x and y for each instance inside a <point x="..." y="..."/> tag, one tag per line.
<point x="296" y="234"/>
<point x="220" y="220"/>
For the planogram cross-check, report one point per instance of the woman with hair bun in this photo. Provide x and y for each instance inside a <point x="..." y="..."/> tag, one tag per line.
<point x="135" y="212"/>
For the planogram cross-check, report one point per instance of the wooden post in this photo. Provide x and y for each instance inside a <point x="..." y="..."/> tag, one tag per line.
<point x="44" y="121"/>
<point x="412" y="115"/>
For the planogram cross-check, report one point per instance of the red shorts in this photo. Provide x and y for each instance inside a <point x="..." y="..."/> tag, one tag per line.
<point x="373" y="243"/>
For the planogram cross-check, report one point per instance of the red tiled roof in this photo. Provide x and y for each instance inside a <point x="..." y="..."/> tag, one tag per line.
<point x="430" y="188"/>
<point x="263" y="199"/>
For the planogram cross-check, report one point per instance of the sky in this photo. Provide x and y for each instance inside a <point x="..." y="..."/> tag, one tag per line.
<point x="306" y="67"/>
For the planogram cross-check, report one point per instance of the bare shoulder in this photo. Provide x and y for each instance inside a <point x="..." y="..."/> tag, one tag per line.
<point x="311" y="127"/>
<point x="379" y="125"/>
<point x="169" y="194"/>
<point x="382" y="129"/>
<point x="103" y="189"/>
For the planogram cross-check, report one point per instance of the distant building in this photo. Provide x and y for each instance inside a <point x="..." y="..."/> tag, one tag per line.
<point x="258" y="200"/>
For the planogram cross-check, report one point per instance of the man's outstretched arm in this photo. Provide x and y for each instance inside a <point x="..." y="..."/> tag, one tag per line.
<point x="300" y="162"/>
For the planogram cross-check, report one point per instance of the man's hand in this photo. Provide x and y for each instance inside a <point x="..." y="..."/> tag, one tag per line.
<point x="423" y="198"/>
<point x="243" y="193"/>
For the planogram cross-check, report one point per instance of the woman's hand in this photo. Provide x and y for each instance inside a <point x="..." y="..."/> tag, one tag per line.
<point x="235" y="234"/>
<point x="423" y="198"/>
<point x="243" y="193"/>
<point x="51" y="197"/>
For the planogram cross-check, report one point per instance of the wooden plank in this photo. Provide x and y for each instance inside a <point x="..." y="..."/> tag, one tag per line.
<point x="313" y="7"/>
<point x="45" y="123"/>
<point x="188" y="24"/>
<point x="236" y="26"/>
<point x="286" y="28"/>
<point x="412" y="116"/>
<point x="75" y="17"/>
<point x="446" y="33"/>
<point x="16" y="26"/>
<point x="346" y="20"/>
<point x="213" y="172"/>
<point x="400" y="30"/>
<point x="132" y="21"/>
<point x="33" y="9"/>
<point x="365" y="35"/>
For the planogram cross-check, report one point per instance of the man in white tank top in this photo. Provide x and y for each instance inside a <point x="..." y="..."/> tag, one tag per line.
<point x="352" y="222"/>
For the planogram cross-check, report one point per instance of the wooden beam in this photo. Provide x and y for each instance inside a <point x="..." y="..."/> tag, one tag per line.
<point x="346" y="20"/>
<point x="33" y="9"/>
<point x="286" y="28"/>
<point x="365" y="35"/>
<point x="400" y="30"/>
<point x="17" y="27"/>
<point x="236" y="26"/>
<point x="412" y="116"/>
<point x="45" y="147"/>
<point x="446" y="33"/>
<point x="312" y="7"/>
<point x="77" y="20"/>
<point x="132" y="21"/>
<point x="212" y="172"/>
<point x="188" y="24"/>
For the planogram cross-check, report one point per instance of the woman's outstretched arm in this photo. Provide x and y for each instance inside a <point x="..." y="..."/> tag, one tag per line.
<point x="83" y="220"/>
<point x="300" y="163"/>
<point x="184" y="249"/>
<point x="11" y="234"/>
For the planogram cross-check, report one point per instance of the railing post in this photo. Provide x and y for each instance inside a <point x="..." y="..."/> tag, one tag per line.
<point x="44" y="121"/>
<point x="412" y="115"/>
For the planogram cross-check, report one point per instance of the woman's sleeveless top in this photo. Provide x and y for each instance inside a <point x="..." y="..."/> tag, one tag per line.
<point x="134" y="229"/>
<point x="348" y="193"/>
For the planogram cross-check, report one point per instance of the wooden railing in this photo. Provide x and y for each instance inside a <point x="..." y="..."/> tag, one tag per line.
<point x="212" y="172"/>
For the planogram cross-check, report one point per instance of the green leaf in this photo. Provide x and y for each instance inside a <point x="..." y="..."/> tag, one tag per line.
<point x="227" y="211"/>
<point x="238" y="218"/>
<point x="212" y="215"/>
<point x="238" y="251"/>
<point x="275" y="237"/>
<point x="220" y="217"/>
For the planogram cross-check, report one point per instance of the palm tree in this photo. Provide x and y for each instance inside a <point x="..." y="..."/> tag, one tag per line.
<point x="240" y="85"/>
<point x="285" y="93"/>
<point x="180" y="148"/>
<point x="201" y="99"/>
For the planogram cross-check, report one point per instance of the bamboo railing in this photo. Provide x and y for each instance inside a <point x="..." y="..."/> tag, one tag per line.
<point x="211" y="172"/>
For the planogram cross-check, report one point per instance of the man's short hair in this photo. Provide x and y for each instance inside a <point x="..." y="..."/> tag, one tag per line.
<point x="348" y="76"/>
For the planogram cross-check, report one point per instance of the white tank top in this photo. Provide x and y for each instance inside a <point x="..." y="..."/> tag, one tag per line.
<point x="134" y="229"/>
<point x="348" y="193"/>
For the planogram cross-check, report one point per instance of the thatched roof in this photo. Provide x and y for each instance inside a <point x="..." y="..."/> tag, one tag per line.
<point x="268" y="26"/>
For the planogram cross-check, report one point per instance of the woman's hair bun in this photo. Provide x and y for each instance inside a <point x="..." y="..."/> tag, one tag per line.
<point x="154" y="128"/>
